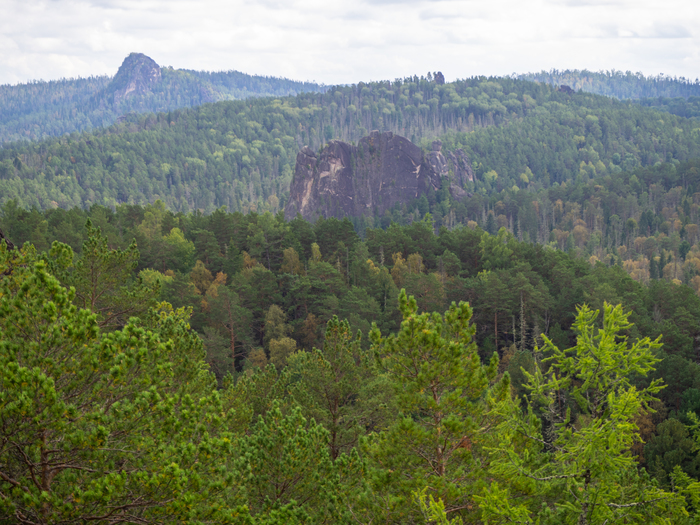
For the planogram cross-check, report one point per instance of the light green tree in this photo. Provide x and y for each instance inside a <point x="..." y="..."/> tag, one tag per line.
<point x="230" y="319"/>
<point x="103" y="279"/>
<point x="276" y="326"/>
<point x="280" y="350"/>
<point x="288" y="473"/>
<point x="291" y="263"/>
<point x="565" y="457"/>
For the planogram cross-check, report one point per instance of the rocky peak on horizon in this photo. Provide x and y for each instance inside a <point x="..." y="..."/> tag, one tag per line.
<point x="383" y="170"/>
<point x="136" y="76"/>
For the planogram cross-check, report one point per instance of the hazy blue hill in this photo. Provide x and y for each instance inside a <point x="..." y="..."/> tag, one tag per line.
<point x="42" y="109"/>
<point x="683" y="107"/>
<point x="618" y="84"/>
<point x="234" y="85"/>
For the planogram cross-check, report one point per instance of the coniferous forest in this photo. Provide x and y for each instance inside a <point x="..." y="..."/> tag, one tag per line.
<point x="41" y="109"/>
<point x="172" y="349"/>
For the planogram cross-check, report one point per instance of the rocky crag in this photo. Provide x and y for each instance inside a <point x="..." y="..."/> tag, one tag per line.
<point x="383" y="170"/>
<point x="137" y="75"/>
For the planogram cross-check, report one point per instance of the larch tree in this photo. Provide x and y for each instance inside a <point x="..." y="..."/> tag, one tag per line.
<point x="566" y="456"/>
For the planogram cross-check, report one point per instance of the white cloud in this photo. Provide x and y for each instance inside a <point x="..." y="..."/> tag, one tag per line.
<point x="337" y="42"/>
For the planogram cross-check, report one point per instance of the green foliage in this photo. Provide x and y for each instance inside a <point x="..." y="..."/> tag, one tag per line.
<point x="276" y="326"/>
<point x="229" y="318"/>
<point x="443" y="395"/>
<point x="337" y="387"/>
<point x="289" y="473"/>
<point x="91" y="419"/>
<point x="280" y="350"/>
<point x="103" y="279"/>
<point x="671" y="447"/>
<point x="41" y="109"/>
<point x="567" y="456"/>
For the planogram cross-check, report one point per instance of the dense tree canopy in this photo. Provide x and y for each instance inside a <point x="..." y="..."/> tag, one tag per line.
<point x="234" y="405"/>
<point x="241" y="154"/>
<point x="174" y="352"/>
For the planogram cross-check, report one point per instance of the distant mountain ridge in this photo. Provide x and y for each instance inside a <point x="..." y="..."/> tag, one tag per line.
<point x="38" y="110"/>
<point x="618" y="84"/>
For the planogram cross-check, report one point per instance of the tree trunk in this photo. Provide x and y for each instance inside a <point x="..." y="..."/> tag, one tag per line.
<point x="495" y="329"/>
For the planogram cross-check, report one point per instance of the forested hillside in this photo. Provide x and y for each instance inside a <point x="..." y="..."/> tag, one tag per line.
<point x="618" y="84"/>
<point x="689" y="108"/>
<point x="679" y="96"/>
<point x="248" y="401"/>
<point x="172" y="350"/>
<point x="40" y="109"/>
<point x="241" y="154"/>
<point x="643" y="220"/>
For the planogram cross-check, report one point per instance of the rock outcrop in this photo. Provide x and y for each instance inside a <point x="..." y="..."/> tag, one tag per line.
<point x="383" y="170"/>
<point x="463" y="170"/>
<point x="136" y="76"/>
<point x="8" y="243"/>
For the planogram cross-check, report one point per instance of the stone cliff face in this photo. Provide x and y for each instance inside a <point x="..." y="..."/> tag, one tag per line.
<point x="381" y="171"/>
<point x="136" y="76"/>
<point x="462" y="167"/>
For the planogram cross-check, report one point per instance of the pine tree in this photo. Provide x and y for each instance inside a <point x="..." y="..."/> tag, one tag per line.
<point x="653" y="268"/>
<point x="442" y="393"/>
<point x="96" y="426"/>
<point x="338" y="388"/>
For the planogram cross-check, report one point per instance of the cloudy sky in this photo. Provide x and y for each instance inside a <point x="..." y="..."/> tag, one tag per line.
<point x="334" y="41"/>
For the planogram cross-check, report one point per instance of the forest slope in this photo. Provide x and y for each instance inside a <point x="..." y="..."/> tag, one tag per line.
<point x="209" y="347"/>
<point x="618" y="84"/>
<point x="39" y="109"/>
<point x="260" y="290"/>
<point x="241" y="154"/>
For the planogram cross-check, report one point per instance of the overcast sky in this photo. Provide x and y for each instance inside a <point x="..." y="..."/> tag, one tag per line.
<point x="346" y="42"/>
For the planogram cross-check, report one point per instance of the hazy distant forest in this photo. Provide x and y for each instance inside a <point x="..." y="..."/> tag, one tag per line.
<point x="41" y="109"/>
<point x="173" y="350"/>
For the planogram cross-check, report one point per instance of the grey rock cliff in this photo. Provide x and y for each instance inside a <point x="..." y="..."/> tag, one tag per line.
<point x="437" y="160"/>
<point x="462" y="167"/>
<point x="348" y="181"/>
<point x="136" y="76"/>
